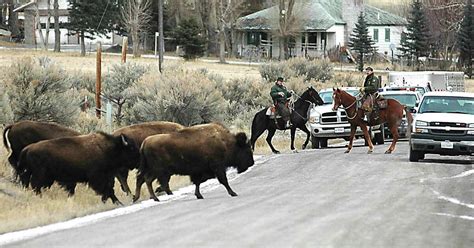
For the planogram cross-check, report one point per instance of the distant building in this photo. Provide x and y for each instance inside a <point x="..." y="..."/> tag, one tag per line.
<point x="32" y="37"/>
<point x="323" y="24"/>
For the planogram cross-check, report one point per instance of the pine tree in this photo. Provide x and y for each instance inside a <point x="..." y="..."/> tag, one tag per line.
<point x="91" y="17"/>
<point x="466" y="39"/>
<point x="190" y="36"/>
<point x="415" y="42"/>
<point x="360" y="40"/>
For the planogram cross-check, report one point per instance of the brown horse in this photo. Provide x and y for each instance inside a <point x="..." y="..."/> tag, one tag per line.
<point x="391" y="115"/>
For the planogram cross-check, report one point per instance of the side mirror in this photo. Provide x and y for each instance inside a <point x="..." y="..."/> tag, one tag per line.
<point x="417" y="104"/>
<point x="413" y="110"/>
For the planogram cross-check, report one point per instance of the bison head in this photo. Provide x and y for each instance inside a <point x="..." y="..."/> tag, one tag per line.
<point x="243" y="155"/>
<point x="128" y="147"/>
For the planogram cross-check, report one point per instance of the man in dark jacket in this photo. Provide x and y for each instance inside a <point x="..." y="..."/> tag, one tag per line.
<point x="280" y="96"/>
<point x="371" y="86"/>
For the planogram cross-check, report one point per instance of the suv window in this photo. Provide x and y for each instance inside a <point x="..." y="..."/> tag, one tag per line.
<point x="447" y="104"/>
<point x="327" y="95"/>
<point x="405" y="99"/>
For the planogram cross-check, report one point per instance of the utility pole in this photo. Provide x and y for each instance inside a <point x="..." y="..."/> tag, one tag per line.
<point x="98" y="81"/>
<point x="161" y="37"/>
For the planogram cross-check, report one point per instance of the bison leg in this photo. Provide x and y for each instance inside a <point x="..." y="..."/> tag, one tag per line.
<point x="150" y="189"/>
<point x="197" y="179"/>
<point x="138" y="187"/>
<point x="164" y="184"/>
<point x="69" y="187"/>
<point x="221" y="176"/>
<point x="122" y="176"/>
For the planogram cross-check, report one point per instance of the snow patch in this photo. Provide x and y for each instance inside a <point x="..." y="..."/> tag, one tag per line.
<point x="464" y="217"/>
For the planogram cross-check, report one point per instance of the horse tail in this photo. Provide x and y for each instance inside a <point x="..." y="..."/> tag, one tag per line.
<point x="409" y="119"/>
<point x="6" y="142"/>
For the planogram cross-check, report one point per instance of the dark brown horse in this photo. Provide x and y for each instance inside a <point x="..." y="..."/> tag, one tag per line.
<point x="298" y="119"/>
<point x="391" y="115"/>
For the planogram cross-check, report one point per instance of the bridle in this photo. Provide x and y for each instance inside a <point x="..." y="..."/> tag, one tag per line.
<point x="346" y="108"/>
<point x="308" y="101"/>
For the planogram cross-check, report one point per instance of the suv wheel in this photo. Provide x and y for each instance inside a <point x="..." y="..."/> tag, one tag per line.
<point x="323" y="142"/>
<point x="314" y="142"/>
<point x="414" y="156"/>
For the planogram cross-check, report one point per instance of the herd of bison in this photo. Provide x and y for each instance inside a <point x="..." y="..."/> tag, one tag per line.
<point x="43" y="153"/>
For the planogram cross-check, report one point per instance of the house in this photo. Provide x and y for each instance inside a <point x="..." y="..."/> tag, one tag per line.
<point x="28" y="13"/>
<point x="321" y="25"/>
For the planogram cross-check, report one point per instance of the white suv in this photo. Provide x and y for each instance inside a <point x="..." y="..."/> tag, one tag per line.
<point x="443" y="125"/>
<point x="324" y="123"/>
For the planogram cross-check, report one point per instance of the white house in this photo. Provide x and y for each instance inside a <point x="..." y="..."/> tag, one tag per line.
<point x="32" y="33"/>
<point x="322" y="24"/>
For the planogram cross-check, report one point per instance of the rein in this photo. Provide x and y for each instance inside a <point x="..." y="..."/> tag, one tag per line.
<point x="308" y="101"/>
<point x="348" y="107"/>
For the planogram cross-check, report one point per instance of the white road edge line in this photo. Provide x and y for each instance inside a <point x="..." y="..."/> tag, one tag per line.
<point x="464" y="217"/>
<point x="16" y="236"/>
<point x="452" y="200"/>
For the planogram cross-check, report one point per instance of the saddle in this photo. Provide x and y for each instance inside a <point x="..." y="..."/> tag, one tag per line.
<point x="370" y="101"/>
<point x="272" y="112"/>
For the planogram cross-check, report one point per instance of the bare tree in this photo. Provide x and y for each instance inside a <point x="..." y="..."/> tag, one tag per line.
<point x="43" y="38"/>
<point x="227" y="12"/>
<point x="444" y="18"/>
<point x="12" y="18"/>
<point x="287" y="25"/>
<point x="136" y="16"/>
<point x="57" y="32"/>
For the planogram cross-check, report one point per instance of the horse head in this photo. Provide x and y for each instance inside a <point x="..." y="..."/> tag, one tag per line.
<point x="341" y="98"/>
<point x="312" y="95"/>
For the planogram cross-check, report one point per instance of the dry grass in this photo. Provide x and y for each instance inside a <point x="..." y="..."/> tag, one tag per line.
<point x="469" y="85"/>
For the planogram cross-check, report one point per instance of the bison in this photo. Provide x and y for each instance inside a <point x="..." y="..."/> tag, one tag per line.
<point x="138" y="133"/>
<point x="94" y="159"/>
<point x="19" y="135"/>
<point x="202" y="152"/>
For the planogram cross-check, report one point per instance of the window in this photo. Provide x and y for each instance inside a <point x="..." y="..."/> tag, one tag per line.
<point x="376" y="35"/>
<point x="253" y="38"/>
<point x="387" y="34"/>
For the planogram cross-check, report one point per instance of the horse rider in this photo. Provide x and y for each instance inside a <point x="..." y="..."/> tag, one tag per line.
<point x="371" y="86"/>
<point x="280" y="95"/>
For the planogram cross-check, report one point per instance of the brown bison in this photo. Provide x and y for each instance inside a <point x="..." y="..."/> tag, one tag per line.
<point x="19" y="135"/>
<point x="138" y="133"/>
<point x="202" y="152"/>
<point x="94" y="159"/>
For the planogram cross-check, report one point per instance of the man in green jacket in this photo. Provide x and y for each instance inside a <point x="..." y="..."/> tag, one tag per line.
<point x="371" y="86"/>
<point x="280" y="95"/>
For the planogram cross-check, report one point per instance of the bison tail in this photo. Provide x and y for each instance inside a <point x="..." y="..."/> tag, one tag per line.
<point x="143" y="163"/>
<point x="6" y="142"/>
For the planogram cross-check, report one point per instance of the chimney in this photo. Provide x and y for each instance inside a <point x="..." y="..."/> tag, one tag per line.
<point x="350" y="11"/>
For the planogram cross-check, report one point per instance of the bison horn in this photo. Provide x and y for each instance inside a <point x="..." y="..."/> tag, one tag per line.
<point x="124" y="140"/>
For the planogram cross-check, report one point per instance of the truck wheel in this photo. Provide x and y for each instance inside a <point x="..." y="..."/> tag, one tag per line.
<point x="314" y="142"/>
<point x="414" y="156"/>
<point x="323" y="142"/>
<point x="379" y="137"/>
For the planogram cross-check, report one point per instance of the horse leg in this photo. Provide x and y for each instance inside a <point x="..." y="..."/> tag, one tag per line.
<point x="308" y="134"/>
<point x="259" y="125"/>
<point x="367" y="138"/>
<point x="395" y="135"/>
<point x="271" y="132"/>
<point x="293" y="132"/>
<point x="351" y="138"/>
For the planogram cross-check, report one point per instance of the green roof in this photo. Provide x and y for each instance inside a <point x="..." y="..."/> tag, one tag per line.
<point x="315" y="15"/>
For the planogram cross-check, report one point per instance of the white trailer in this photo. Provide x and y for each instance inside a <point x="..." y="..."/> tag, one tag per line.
<point x="438" y="80"/>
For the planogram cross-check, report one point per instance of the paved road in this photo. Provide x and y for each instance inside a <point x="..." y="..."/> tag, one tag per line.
<point x="313" y="198"/>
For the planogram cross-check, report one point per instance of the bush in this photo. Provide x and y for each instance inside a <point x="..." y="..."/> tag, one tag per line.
<point x="117" y="83"/>
<point x="40" y="90"/>
<point x="271" y="71"/>
<point x="318" y="70"/>
<point x="350" y="79"/>
<point x="242" y="95"/>
<point x="182" y="96"/>
<point x="89" y="123"/>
